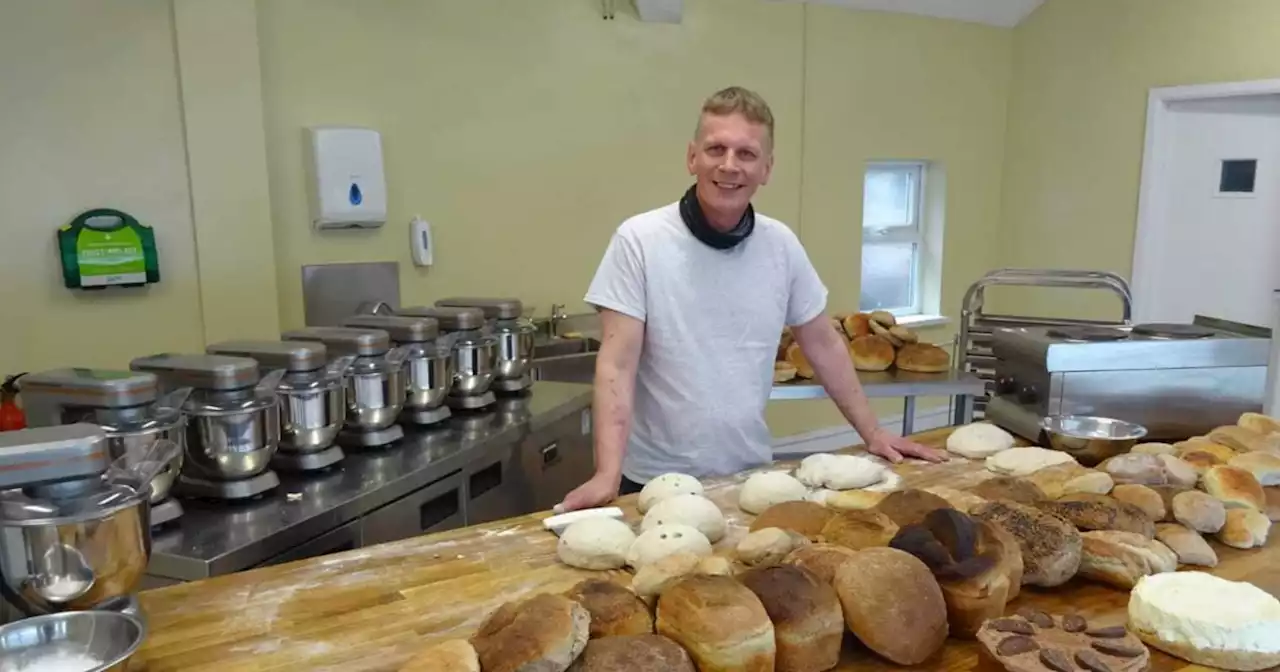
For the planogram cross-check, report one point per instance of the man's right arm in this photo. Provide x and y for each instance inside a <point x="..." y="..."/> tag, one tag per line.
<point x="622" y="338"/>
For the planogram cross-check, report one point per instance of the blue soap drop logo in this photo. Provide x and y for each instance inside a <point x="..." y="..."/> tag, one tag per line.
<point x="354" y="194"/>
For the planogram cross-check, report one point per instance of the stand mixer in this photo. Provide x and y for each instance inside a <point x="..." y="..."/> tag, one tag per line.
<point x="313" y="399"/>
<point x="375" y="382"/>
<point x="428" y="363"/>
<point x="474" y="353"/>
<point x="126" y="405"/>
<point x="233" y="423"/>
<point x="514" y="339"/>
<point x="71" y="539"/>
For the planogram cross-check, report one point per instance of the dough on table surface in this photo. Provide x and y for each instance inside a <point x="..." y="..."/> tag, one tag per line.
<point x="596" y="543"/>
<point x="695" y="511"/>
<point x="665" y="486"/>
<point x="979" y="440"/>
<point x="765" y="489"/>
<point x="665" y="540"/>
<point x="1025" y="460"/>
<point x="839" y="472"/>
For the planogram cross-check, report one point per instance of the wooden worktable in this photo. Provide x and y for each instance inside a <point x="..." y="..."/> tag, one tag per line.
<point x="370" y="609"/>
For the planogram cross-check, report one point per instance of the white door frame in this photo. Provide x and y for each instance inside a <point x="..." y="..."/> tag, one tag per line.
<point x="1153" y="192"/>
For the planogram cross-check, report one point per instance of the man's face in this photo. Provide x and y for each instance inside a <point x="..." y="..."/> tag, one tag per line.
<point x="731" y="158"/>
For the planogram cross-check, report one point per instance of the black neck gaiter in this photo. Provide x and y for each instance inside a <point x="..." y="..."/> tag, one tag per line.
<point x="696" y="220"/>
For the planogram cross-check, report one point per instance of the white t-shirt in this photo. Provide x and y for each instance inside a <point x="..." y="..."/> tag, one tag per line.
<point x="712" y="322"/>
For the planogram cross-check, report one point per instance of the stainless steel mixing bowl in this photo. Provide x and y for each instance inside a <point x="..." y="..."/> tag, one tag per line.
<point x="375" y="395"/>
<point x="311" y="413"/>
<point x="514" y="351"/>
<point x="229" y="440"/>
<point x="109" y="638"/>
<point x="92" y="554"/>
<point x="430" y="375"/>
<point x="136" y="443"/>
<point x="473" y="362"/>
<point x="1091" y="439"/>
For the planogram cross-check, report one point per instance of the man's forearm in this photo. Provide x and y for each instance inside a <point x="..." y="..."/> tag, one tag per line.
<point x="612" y="401"/>
<point x="834" y="368"/>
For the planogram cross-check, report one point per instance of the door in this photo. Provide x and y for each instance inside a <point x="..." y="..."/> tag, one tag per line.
<point x="1214" y="249"/>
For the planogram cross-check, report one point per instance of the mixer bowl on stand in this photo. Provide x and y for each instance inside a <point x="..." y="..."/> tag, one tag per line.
<point x="376" y="394"/>
<point x="473" y="366"/>
<point x="232" y="440"/>
<point x="311" y="415"/>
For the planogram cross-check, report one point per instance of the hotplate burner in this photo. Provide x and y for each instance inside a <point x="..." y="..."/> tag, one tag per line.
<point x="1091" y="334"/>
<point x="1172" y="331"/>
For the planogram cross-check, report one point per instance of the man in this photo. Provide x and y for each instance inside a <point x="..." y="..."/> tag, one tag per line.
<point x="692" y="299"/>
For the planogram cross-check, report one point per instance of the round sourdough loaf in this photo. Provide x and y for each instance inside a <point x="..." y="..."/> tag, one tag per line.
<point x="821" y="559"/>
<point x="614" y="610"/>
<point x="721" y="623"/>
<point x="544" y="632"/>
<point x="808" y="623"/>
<point x="633" y="653"/>
<point x="893" y="604"/>
<point x="804" y="518"/>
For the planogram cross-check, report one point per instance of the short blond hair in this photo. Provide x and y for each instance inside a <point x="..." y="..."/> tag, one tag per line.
<point x="738" y="100"/>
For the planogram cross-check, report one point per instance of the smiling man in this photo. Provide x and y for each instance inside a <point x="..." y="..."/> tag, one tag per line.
<point x="692" y="298"/>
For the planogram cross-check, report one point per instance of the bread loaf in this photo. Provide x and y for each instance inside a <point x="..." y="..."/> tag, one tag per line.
<point x="544" y="632"/>
<point x="1050" y="545"/>
<point x="1154" y="448"/>
<point x="1053" y="480"/>
<point x="858" y="324"/>
<point x="614" y="610"/>
<point x="722" y="625"/>
<point x="1026" y="460"/>
<point x="808" y="624"/>
<point x="1245" y="528"/>
<point x="978" y="441"/>
<point x="923" y="358"/>
<point x="1094" y="483"/>
<point x="965" y="558"/>
<point x="893" y="604"/>
<point x="1137" y="468"/>
<point x="1179" y="472"/>
<point x="651" y="580"/>
<point x="1263" y="465"/>
<point x="904" y="334"/>
<point x="1207" y="620"/>
<point x="1101" y="512"/>
<point x="859" y="529"/>
<point x="633" y="653"/>
<point x="1239" y="439"/>
<point x="822" y="560"/>
<point x="1220" y="452"/>
<point x="1235" y="488"/>
<point x="1121" y="558"/>
<point x="1167" y="493"/>
<point x="768" y="547"/>
<point x="1199" y="511"/>
<point x="871" y="353"/>
<point x="1011" y="488"/>
<point x="1200" y="460"/>
<point x="959" y="500"/>
<point x="854" y="500"/>
<point x="796" y="357"/>
<point x="805" y="518"/>
<point x="1259" y="423"/>
<point x="909" y="507"/>
<point x="1142" y="497"/>
<point x="454" y="655"/>
<point x="1006" y="545"/>
<point x="1272" y="496"/>
<point x="1191" y="548"/>
<point x="784" y="372"/>
<point x="884" y="318"/>
<point x="883" y="332"/>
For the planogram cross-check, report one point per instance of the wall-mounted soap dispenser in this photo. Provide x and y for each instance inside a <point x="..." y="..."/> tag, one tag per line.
<point x="348" y="188"/>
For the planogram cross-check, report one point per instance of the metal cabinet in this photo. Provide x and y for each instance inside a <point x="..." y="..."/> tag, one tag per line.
<point x="496" y="487"/>
<point x="558" y="459"/>
<point x="342" y="538"/>
<point x="438" y="507"/>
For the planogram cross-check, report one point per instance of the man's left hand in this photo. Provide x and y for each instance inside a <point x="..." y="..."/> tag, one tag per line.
<point x="895" y="448"/>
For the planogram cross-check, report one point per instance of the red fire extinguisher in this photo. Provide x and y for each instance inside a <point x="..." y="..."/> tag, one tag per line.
<point x="11" y="416"/>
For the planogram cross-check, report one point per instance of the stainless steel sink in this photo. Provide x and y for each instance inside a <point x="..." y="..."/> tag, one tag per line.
<point x="544" y="348"/>
<point x="565" y="360"/>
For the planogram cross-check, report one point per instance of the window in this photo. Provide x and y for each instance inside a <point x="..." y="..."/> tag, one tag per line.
<point x="892" y="238"/>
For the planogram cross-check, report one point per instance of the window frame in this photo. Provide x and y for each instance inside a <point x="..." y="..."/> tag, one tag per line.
<point x="913" y="234"/>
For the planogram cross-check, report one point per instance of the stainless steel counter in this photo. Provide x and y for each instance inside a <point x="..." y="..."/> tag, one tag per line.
<point x="960" y="385"/>
<point x="465" y="472"/>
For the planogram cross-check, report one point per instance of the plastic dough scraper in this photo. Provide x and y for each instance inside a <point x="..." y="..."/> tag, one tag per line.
<point x="559" y="522"/>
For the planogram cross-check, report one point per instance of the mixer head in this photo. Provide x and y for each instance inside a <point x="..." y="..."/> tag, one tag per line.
<point x="48" y="456"/>
<point x="68" y="395"/>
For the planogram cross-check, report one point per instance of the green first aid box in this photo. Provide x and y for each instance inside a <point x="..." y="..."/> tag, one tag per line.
<point x="107" y="248"/>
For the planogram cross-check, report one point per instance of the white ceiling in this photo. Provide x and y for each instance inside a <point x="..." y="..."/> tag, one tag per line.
<point x="1005" y="13"/>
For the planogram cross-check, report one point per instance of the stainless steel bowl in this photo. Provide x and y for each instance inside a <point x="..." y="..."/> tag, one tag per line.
<point x="514" y="352"/>
<point x="233" y="440"/>
<point x="106" y="637"/>
<point x="1091" y="439"/>
<point x="93" y="558"/>
<point x="311" y="417"/>
<point x="375" y="399"/>
<point x="473" y="367"/>
<point x="137" y="443"/>
<point x="430" y="377"/>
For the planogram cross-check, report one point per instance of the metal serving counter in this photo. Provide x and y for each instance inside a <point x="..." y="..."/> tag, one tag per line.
<point x="521" y="456"/>
<point x="960" y="385"/>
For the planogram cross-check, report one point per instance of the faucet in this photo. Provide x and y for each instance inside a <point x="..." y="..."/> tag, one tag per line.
<point x="374" y="308"/>
<point x="557" y="316"/>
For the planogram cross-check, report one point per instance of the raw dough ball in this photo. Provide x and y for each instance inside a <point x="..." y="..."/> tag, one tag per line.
<point x="596" y="543"/>
<point x="762" y="491"/>
<point x="979" y="441"/>
<point x="767" y="547"/>
<point x="1025" y="461"/>
<point x="666" y="486"/>
<point x="839" y="472"/>
<point x="659" y="542"/>
<point x="891" y="483"/>
<point x="695" y="511"/>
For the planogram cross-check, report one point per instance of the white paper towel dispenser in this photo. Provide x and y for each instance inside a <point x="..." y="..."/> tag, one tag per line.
<point x="347" y="187"/>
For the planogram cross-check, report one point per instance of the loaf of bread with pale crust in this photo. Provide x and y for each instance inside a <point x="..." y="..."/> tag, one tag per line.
<point x="1263" y="465"/>
<point x="871" y="353"/>
<point x="721" y="623"/>
<point x="923" y="358"/>
<point x="795" y="357"/>
<point x="1121" y="558"/>
<point x="1257" y="422"/>
<point x="808" y="624"/>
<point x="614" y="610"/>
<point x="1234" y="487"/>
<point x="1239" y="439"/>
